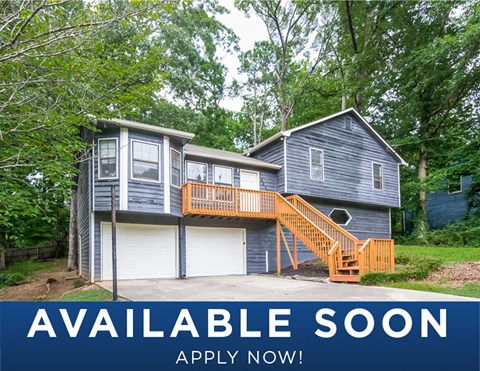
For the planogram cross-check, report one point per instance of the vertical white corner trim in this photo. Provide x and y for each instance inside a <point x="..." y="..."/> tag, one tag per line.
<point x="166" y="174"/>
<point x="390" y="222"/>
<point x="92" y="247"/>
<point x="285" y="161"/>
<point x="123" y="169"/>
<point x="399" y="193"/>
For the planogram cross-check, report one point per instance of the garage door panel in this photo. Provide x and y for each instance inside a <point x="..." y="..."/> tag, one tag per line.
<point x="215" y="251"/>
<point x="142" y="251"/>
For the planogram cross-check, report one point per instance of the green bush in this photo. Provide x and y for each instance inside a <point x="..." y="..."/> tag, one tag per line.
<point x="413" y="268"/>
<point x="462" y="233"/>
<point x="19" y="272"/>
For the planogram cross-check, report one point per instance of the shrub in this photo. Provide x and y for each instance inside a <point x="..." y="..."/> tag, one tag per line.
<point x="415" y="268"/>
<point x="19" y="272"/>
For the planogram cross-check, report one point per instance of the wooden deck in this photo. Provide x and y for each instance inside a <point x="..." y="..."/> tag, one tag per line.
<point x="346" y="256"/>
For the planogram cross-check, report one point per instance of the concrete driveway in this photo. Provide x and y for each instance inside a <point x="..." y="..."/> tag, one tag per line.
<point x="263" y="288"/>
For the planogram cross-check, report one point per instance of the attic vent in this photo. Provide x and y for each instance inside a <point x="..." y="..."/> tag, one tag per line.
<point x="340" y="216"/>
<point x="348" y="123"/>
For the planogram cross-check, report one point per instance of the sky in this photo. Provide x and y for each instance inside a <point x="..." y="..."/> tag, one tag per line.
<point x="249" y="30"/>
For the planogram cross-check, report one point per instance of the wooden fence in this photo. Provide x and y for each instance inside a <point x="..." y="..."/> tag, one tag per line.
<point x="38" y="253"/>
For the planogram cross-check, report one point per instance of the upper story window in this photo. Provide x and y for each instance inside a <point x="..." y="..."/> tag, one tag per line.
<point x="454" y="184"/>
<point x="377" y="176"/>
<point x="196" y="172"/>
<point x="316" y="164"/>
<point x="176" y="165"/>
<point x="223" y="175"/>
<point x="107" y="159"/>
<point x="145" y="161"/>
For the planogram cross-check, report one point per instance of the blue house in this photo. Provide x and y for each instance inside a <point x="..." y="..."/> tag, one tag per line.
<point x="322" y="190"/>
<point x="449" y="205"/>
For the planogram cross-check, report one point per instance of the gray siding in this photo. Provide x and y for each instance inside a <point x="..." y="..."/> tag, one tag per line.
<point x="83" y="215"/>
<point x="274" y="154"/>
<point x="144" y="195"/>
<point x="348" y="157"/>
<point x="366" y="222"/>
<point x="444" y="208"/>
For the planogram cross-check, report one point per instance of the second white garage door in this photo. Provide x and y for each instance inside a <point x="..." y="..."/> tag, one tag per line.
<point x="215" y="251"/>
<point x="143" y="251"/>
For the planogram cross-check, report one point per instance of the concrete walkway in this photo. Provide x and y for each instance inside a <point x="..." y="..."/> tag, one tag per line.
<point x="263" y="288"/>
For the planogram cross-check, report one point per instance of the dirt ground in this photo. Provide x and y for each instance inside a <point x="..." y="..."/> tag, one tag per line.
<point x="310" y="268"/>
<point x="457" y="275"/>
<point x="46" y="285"/>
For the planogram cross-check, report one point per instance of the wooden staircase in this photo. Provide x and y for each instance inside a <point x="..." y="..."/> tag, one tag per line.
<point x="346" y="256"/>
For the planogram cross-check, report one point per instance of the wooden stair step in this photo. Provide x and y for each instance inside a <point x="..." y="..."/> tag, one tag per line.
<point x="344" y="278"/>
<point x="352" y="268"/>
<point x="350" y="260"/>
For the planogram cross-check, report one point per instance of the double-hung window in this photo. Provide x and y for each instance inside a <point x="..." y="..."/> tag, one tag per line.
<point x="377" y="176"/>
<point x="107" y="159"/>
<point x="222" y="175"/>
<point x="176" y="165"/>
<point x="316" y="164"/>
<point x="196" y="172"/>
<point x="145" y="161"/>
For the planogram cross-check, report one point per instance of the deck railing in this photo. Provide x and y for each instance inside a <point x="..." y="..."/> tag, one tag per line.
<point x="376" y="255"/>
<point x="207" y="199"/>
<point x="330" y="242"/>
<point x="347" y="241"/>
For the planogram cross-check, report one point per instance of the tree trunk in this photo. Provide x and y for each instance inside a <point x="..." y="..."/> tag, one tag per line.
<point x="422" y="222"/>
<point x="72" y="233"/>
<point x="2" y="260"/>
<point x="344" y="102"/>
<point x="358" y="102"/>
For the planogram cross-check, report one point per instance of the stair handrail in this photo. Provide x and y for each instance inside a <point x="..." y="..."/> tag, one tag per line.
<point x="303" y="216"/>
<point x="348" y="241"/>
<point x="331" y="261"/>
<point x="362" y="263"/>
<point x="321" y="250"/>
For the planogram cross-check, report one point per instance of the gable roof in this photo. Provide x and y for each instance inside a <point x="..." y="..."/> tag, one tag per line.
<point x="287" y="133"/>
<point x="218" y="154"/>
<point x="147" y="127"/>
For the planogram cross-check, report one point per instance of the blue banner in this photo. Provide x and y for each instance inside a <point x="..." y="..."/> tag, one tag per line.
<point x="240" y="336"/>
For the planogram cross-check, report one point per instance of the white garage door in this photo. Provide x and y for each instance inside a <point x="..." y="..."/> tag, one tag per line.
<point x="143" y="251"/>
<point x="215" y="251"/>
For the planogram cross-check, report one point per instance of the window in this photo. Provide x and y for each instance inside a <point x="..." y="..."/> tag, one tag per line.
<point x="222" y="175"/>
<point x="107" y="159"/>
<point x="454" y="184"/>
<point x="348" y="123"/>
<point x="316" y="164"/>
<point x="176" y="164"/>
<point x="145" y="161"/>
<point x="377" y="175"/>
<point x="196" y="172"/>
<point x="340" y="216"/>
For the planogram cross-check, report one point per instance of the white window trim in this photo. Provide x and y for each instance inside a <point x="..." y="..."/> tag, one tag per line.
<point x="195" y="162"/>
<point x="373" y="176"/>
<point x="346" y="211"/>
<point x="455" y="192"/>
<point x="100" y="157"/>
<point x="225" y="167"/>
<point x="171" y="173"/>
<point x="132" y="159"/>
<point x="323" y="164"/>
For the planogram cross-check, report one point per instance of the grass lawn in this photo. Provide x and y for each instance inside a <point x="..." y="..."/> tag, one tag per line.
<point x="447" y="256"/>
<point x="92" y="294"/>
